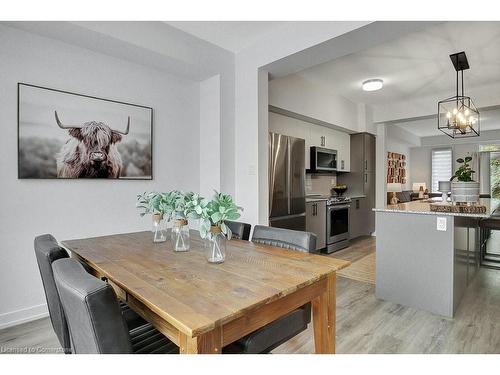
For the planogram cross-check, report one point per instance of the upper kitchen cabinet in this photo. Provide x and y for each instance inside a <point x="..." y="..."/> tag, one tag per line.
<point x="288" y="126"/>
<point x="363" y="157"/>
<point x="369" y="152"/>
<point x="314" y="135"/>
<point x="342" y="143"/>
<point x="322" y="136"/>
<point x="361" y="180"/>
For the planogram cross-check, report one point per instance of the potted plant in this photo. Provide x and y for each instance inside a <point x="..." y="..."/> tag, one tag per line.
<point x="166" y="207"/>
<point x="175" y="207"/>
<point x="464" y="190"/>
<point x="213" y="215"/>
<point x="153" y="203"/>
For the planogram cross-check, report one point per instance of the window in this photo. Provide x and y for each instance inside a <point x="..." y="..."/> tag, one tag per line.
<point x="489" y="147"/>
<point x="441" y="167"/>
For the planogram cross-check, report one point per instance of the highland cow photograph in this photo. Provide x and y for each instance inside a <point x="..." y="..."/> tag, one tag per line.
<point x="67" y="135"/>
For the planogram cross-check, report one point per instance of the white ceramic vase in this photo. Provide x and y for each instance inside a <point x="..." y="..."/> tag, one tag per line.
<point x="465" y="192"/>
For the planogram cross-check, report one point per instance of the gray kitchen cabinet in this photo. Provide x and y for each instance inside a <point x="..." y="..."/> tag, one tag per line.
<point x="316" y="222"/>
<point x="360" y="180"/>
<point x="360" y="218"/>
<point x="369" y="152"/>
<point x="369" y="186"/>
<point x="361" y="184"/>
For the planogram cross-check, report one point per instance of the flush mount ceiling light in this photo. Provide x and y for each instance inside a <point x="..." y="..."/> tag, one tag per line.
<point x="458" y="117"/>
<point x="372" y="84"/>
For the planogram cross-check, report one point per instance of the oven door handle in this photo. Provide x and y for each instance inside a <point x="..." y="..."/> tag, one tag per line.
<point x="336" y="207"/>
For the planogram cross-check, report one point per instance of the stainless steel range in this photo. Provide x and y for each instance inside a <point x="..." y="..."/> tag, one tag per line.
<point x="337" y="223"/>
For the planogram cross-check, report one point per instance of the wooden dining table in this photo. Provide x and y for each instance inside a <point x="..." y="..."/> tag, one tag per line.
<point x="202" y="307"/>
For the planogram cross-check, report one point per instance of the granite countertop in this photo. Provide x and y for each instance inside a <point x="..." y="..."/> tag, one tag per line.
<point x="319" y="198"/>
<point x="423" y="208"/>
<point x="316" y="199"/>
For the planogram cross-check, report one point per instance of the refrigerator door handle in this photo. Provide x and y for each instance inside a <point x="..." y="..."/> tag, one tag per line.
<point x="288" y="175"/>
<point x="271" y="172"/>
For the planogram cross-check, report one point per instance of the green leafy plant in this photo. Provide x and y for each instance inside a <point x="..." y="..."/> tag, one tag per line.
<point x="213" y="212"/>
<point x="150" y="203"/>
<point x="196" y="206"/>
<point x="495" y="177"/>
<point x="175" y="204"/>
<point x="464" y="172"/>
<point x="171" y="205"/>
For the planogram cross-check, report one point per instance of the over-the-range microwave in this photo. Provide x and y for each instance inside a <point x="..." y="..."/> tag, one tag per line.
<point x="323" y="159"/>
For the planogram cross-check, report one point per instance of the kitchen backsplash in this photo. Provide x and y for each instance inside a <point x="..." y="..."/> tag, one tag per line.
<point x="319" y="184"/>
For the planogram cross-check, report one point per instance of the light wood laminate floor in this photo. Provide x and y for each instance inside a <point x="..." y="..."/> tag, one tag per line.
<point x="364" y="324"/>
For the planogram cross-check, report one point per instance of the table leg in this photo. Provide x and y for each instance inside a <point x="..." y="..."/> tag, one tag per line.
<point x="207" y="343"/>
<point x="324" y="316"/>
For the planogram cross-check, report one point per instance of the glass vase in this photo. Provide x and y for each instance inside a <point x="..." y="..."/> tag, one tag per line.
<point x="180" y="235"/>
<point x="159" y="228"/>
<point x="215" y="246"/>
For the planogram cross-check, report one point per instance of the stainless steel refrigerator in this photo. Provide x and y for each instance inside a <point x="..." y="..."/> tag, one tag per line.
<point x="287" y="202"/>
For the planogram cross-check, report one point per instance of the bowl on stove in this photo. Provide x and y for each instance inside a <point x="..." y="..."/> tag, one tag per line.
<point x="339" y="190"/>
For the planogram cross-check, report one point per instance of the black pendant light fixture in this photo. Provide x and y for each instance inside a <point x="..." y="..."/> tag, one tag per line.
<point x="458" y="117"/>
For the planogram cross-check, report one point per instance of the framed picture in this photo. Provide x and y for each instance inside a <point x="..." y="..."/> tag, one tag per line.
<point x="67" y="135"/>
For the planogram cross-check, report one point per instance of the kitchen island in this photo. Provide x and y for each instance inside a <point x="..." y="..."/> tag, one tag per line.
<point x="426" y="259"/>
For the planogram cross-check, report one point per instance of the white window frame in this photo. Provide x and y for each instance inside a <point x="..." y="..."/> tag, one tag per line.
<point x="450" y="149"/>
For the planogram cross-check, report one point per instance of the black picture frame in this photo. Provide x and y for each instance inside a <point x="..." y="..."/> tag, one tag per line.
<point x="20" y="84"/>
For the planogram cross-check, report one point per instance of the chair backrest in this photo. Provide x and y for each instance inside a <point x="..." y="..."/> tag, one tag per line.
<point x="285" y="238"/>
<point x="47" y="250"/>
<point x="92" y="310"/>
<point x="241" y="231"/>
<point x="404" y="196"/>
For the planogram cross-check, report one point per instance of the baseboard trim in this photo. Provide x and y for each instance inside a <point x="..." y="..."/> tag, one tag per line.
<point x="28" y="314"/>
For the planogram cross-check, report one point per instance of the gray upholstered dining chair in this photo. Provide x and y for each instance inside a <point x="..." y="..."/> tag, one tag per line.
<point x="96" y="325"/>
<point x="241" y="231"/>
<point x="283" y="329"/>
<point x="285" y="238"/>
<point x="47" y="251"/>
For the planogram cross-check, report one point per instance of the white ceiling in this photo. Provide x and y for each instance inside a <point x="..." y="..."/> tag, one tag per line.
<point x="421" y="128"/>
<point x="233" y="36"/>
<point x="490" y="120"/>
<point x="151" y="43"/>
<point x="415" y="65"/>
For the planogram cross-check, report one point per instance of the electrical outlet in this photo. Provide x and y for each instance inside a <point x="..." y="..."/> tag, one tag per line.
<point x="441" y="224"/>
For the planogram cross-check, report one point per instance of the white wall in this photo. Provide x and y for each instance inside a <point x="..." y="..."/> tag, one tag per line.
<point x="296" y="94"/>
<point x="250" y="175"/>
<point x="162" y="46"/>
<point x="395" y="145"/>
<point x="381" y="166"/>
<point x="290" y="49"/>
<point x="421" y="165"/>
<point x="81" y="208"/>
<point x="400" y="140"/>
<point x="210" y="136"/>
